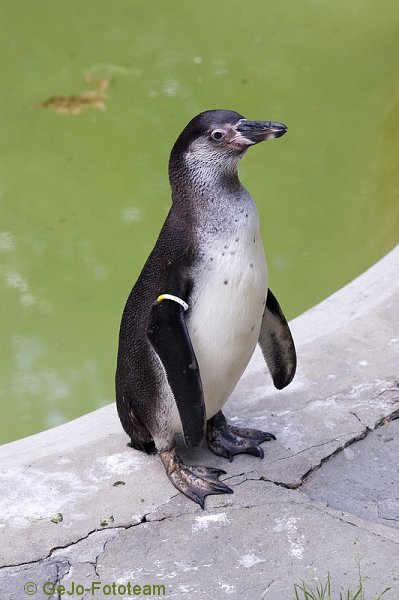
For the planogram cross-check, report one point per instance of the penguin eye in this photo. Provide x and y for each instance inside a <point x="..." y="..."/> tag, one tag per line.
<point x="217" y="135"/>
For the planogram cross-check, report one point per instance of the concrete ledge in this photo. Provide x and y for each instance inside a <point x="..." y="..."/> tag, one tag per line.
<point x="279" y="527"/>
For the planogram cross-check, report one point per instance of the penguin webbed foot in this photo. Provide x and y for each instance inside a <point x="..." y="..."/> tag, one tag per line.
<point x="227" y="440"/>
<point x="194" y="481"/>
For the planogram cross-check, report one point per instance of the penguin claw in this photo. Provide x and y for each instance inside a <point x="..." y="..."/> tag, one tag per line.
<point x="253" y="434"/>
<point x="227" y="440"/>
<point x="206" y="472"/>
<point x="195" y="482"/>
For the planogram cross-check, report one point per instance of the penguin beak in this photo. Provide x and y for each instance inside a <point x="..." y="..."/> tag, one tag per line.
<point x="258" y="131"/>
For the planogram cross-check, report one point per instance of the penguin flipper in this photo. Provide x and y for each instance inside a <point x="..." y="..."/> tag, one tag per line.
<point x="168" y="334"/>
<point x="276" y="343"/>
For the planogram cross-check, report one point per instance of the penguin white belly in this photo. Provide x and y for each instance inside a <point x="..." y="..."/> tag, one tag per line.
<point x="226" y="311"/>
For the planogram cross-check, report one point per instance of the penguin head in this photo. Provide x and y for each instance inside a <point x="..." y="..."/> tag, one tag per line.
<point x="219" y="138"/>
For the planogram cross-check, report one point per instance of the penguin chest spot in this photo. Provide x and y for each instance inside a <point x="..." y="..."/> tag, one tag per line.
<point x="226" y="312"/>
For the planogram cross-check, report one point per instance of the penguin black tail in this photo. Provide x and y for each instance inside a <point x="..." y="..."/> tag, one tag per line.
<point x="147" y="447"/>
<point x="140" y="437"/>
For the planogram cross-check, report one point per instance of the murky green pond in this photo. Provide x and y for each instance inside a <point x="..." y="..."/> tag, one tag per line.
<point x="83" y="194"/>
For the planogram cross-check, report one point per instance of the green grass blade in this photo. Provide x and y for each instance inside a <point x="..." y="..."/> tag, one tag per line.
<point x="323" y="592"/>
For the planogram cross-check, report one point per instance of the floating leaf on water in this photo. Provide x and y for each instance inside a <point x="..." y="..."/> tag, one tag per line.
<point x="102" y="84"/>
<point x="73" y="105"/>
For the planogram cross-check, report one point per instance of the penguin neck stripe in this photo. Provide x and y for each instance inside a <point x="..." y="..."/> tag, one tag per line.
<point x="174" y="298"/>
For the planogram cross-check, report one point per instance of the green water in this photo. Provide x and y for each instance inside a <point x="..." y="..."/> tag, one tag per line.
<point x="82" y="197"/>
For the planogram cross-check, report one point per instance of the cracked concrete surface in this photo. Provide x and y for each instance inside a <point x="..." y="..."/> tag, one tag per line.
<point x="324" y="498"/>
<point x="363" y="479"/>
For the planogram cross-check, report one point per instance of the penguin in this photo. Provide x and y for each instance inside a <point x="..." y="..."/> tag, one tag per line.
<point x="199" y="308"/>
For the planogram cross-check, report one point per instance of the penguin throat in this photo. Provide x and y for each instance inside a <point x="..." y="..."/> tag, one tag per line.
<point x="198" y="177"/>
